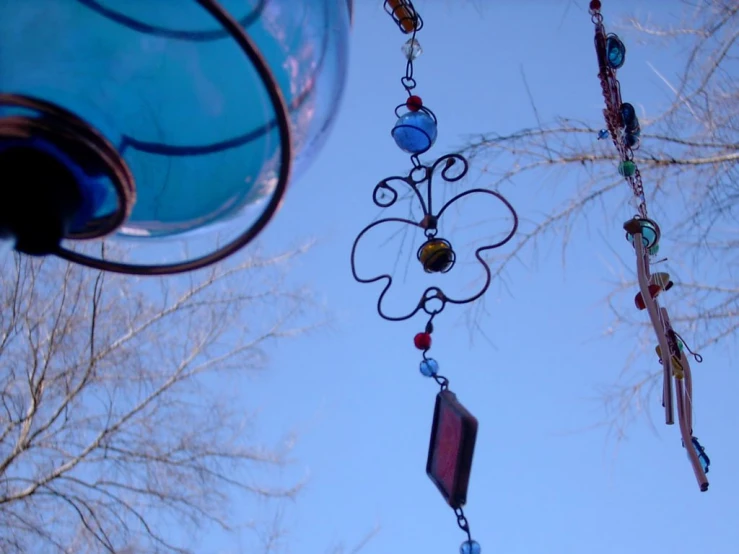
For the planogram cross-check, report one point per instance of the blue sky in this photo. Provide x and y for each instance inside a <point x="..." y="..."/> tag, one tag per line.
<point x="544" y="480"/>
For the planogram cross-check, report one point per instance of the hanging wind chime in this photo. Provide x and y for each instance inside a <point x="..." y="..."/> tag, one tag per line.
<point x="454" y="428"/>
<point x="644" y="234"/>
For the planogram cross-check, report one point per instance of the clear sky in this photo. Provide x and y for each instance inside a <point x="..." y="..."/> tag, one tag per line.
<point x="543" y="480"/>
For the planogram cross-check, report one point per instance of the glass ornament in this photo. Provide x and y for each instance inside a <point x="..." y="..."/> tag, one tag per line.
<point x="411" y="49"/>
<point x="470" y="547"/>
<point x="615" y="51"/>
<point x="415" y="132"/>
<point x="650" y="234"/>
<point x="429" y="367"/>
<point x="629" y="119"/>
<point x="198" y="105"/>
<point x="627" y="168"/>
<point x="422" y="341"/>
<point x="436" y="256"/>
<point x="631" y="140"/>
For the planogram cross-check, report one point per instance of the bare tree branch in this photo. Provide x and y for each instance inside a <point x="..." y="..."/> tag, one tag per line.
<point x="688" y="159"/>
<point x="111" y="427"/>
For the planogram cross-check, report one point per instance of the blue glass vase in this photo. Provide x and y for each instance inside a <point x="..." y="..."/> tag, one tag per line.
<point x="197" y="117"/>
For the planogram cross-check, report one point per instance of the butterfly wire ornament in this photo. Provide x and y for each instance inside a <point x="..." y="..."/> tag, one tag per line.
<point x="644" y="234"/>
<point x="454" y="429"/>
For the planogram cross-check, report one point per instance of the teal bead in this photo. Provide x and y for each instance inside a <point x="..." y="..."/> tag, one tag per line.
<point x="627" y="168"/>
<point x="615" y="51"/>
<point x="649" y="236"/>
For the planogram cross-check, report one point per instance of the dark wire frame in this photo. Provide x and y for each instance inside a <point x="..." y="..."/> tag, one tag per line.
<point x="418" y="176"/>
<point x="123" y="181"/>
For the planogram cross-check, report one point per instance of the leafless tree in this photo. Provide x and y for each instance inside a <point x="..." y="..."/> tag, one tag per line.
<point x="123" y="410"/>
<point x="688" y="156"/>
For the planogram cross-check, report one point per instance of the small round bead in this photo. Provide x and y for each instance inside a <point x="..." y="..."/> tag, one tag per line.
<point x="627" y="168"/>
<point x="415" y="132"/>
<point x="422" y="341"/>
<point x="595" y="5"/>
<point x="414" y="103"/>
<point x="429" y="367"/>
<point x="470" y="547"/>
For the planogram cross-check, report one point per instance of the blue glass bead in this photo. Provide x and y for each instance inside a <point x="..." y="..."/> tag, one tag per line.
<point x="415" y="132"/>
<point x="470" y="547"/>
<point x="616" y="51"/>
<point x="603" y="134"/>
<point x="429" y="367"/>
<point x="630" y="121"/>
<point x="649" y="235"/>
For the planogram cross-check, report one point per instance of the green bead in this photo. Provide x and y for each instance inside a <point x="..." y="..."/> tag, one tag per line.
<point x="627" y="168"/>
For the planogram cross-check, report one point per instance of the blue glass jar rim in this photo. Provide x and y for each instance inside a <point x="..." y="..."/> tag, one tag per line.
<point x="192" y="35"/>
<point x="286" y="157"/>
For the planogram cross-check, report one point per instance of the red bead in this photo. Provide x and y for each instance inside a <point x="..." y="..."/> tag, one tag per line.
<point x="422" y="341"/>
<point x="414" y="103"/>
<point x="654" y="291"/>
<point x="595" y="5"/>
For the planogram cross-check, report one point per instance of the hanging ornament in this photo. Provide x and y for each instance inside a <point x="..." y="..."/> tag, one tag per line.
<point x="143" y="122"/>
<point x="644" y="235"/>
<point x="454" y="428"/>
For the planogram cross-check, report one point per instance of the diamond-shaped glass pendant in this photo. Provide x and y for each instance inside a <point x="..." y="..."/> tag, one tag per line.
<point x="412" y="49"/>
<point x="451" y="449"/>
<point x="145" y="121"/>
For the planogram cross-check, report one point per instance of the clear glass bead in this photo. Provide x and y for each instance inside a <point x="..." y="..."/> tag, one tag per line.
<point x="412" y="49"/>
<point x="429" y="367"/>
